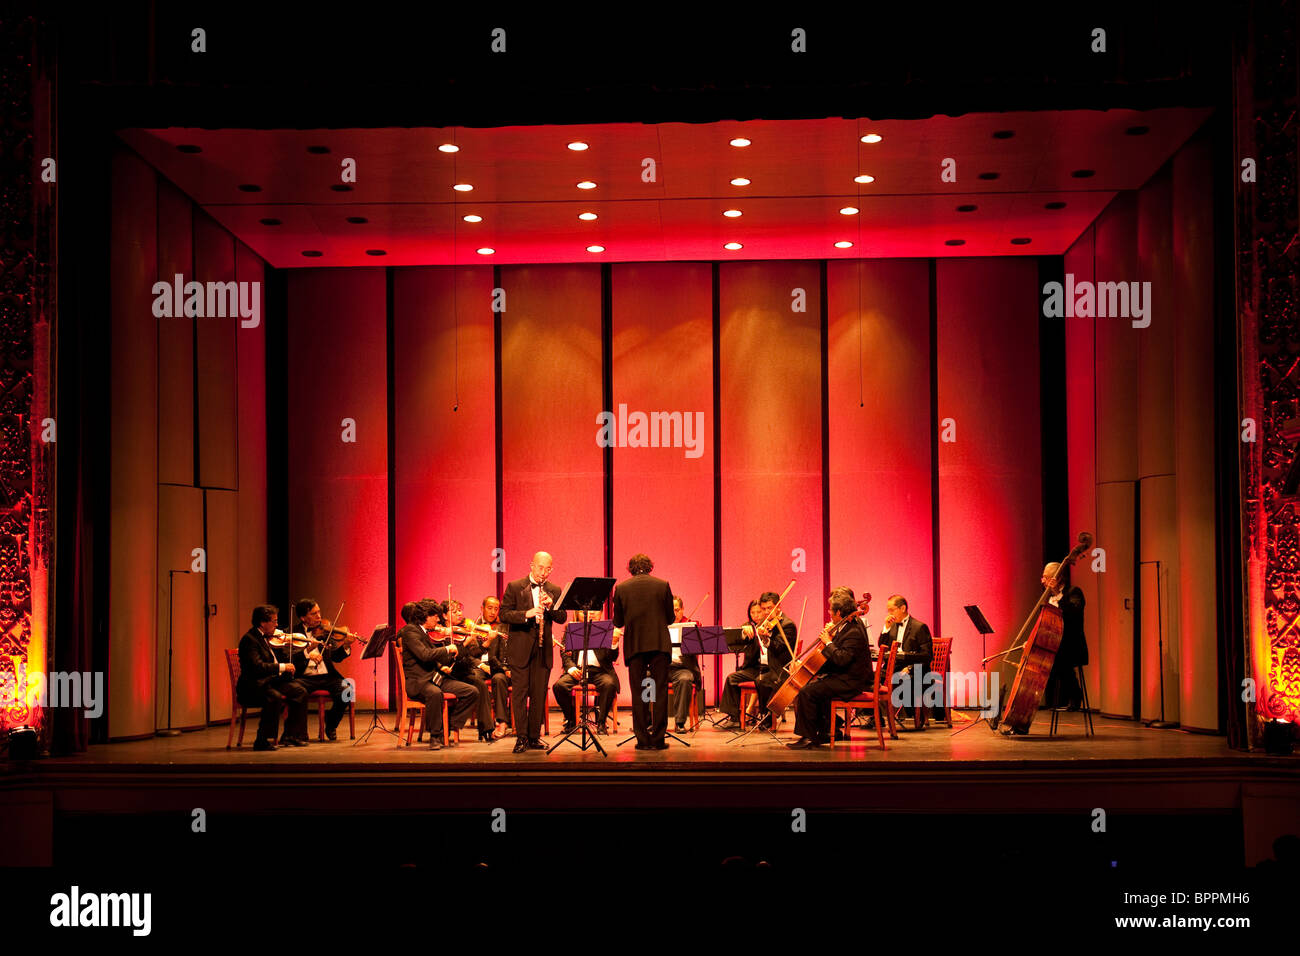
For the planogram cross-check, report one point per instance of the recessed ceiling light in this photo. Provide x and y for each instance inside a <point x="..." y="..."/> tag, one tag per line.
<point x="449" y="148"/>
<point x="269" y="222"/>
<point x="1137" y="130"/>
<point x="249" y="188"/>
<point x="595" y="248"/>
<point x="1083" y="174"/>
<point x="1054" y="205"/>
<point x="954" y="242"/>
<point x="988" y="175"/>
<point x="318" y="150"/>
<point x="1003" y="133"/>
<point x="376" y="252"/>
<point x="872" y="138"/>
<point x="577" y="147"/>
<point x="733" y="246"/>
<point x="189" y="148"/>
<point x="849" y="211"/>
<point x="358" y="220"/>
<point x="473" y="218"/>
<point x="586" y="184"/>
<point x="864" y="179"/>
<point x="462" y="187"/>
<point x="485" y="251"/>
<point x="740" y="141"/>
<point x="732" y="213"/>
<point x="312" y="253"/>
<point x="967" y="207"/>
<point x="740" y="181"/>
<point x="587" y="216"/>
<point x="843" y="244"/>
<point x="1021" y="241"/>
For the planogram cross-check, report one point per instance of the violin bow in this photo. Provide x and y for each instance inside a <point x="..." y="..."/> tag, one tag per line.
<point x="691" y="616"/>
<point x="798" y="630"/>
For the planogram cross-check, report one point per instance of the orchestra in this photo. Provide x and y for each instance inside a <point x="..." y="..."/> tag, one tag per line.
<point x="497" y="666"/>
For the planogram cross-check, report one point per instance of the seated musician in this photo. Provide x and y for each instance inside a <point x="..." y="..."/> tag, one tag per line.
<point x="428" y="671"/>
<point x="748" y="670"/>
<point x="498" y="664"/>
<point x="776" y="650"/>
<point x="1063" y="691"/>
<point x="471" y="663"/>
<point x="315" y="667"/>
<point x="600" y="674"/>
<point x="266" y="680"/>
<point x="846" y="673"/>
<point x="914" y="648"/>
<point x="683" y="673"/>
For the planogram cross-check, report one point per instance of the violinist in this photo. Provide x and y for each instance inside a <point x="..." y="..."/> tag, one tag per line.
<point x="749" y="669"/>
<point x="776" y="649"/>
<point x="683" y="672"/>
<point x="472" y="664"/>
<point x="315" y="664"/>
<point x="846" y="672"/>
<point x="498" y="664"/>
<point x="428" y="671"/>
<point x="267" y="681"/>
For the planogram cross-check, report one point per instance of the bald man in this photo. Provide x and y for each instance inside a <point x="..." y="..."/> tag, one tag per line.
<point x="526" y="609"/>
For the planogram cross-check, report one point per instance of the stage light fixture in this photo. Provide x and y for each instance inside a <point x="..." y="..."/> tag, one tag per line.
<point x="24" y="743"/>
<point x="1279" y="737"/>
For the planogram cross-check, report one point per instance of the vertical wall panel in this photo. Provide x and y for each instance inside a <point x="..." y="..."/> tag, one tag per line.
<point x="338" y="502"/>
<point x="1081" y="447"/>
<point x="133" y="468"/>
<point x="1117" y="396"/>
<point x="553" y="469"/>
<point x="1159" y="542"/>
<point x="250" y="345"/>
<point x="990" y="478"/>
<point x="771" y="426"/>
<point x="221" y="531"/>
<point x="180" y="531"/>
<point x="445" y="459"/>
<point x="218" y="437"/>
<point x="1115" y="527"/>
<point x="175" y="341"/>
<point x="879" y="394"/>
<point x="663" y="362"/>
<point x="1192" y="229"/>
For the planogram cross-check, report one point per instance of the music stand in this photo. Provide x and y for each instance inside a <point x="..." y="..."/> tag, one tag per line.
<point x="374" y="649"/>
<point x="982" y="625"/>
<point x="700" y="639"/>
<point x="582" y="594"/>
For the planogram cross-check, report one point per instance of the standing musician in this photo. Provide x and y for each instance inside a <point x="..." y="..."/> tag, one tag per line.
<point x="471" y="664"/>
<point x="776" y="650"/>
<point x="846" y="673"/>
<point x="914" y="645"/>
<point x="268" y="682"/>
<point x="749" y="670"/>
<point x="600" y="674"/>
<point x="315" y="666"/>
<point x="428" y="672"/>
<point x="498" y="665"/>
<point x="643" y="606"/>
<point x="526" y="608"/>
<point x="683" y="672"/>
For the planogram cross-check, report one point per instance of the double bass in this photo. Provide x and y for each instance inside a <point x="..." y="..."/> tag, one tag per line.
<point x="1038" y="641"/>
<point x="805" y="667"/>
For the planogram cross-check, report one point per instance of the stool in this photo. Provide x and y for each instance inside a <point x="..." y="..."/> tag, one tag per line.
<point x="1087" y="709"/>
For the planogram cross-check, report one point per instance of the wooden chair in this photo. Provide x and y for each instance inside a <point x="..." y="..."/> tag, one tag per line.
<point x="939" y="667"/>
<point x="408" y="709"/>
<point x="873" y="700"/>
<point x="238" y="712"/>
<point x="584" y="690"/>
<point x="695" y="712"/>
<point x="747" y="694"/>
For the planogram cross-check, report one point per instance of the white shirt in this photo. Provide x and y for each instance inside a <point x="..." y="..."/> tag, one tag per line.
<point x="902" y="627"/>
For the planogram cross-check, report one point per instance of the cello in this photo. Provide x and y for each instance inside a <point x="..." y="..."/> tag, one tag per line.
<point x="1038" y="640"/>
<point x="804" y="668"/>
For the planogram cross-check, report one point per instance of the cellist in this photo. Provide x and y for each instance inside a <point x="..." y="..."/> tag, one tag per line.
<point x="846" y="673"/>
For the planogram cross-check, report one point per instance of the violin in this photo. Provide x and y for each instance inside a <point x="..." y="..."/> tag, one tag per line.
<point x="805" y="667"/>
<point x="295" y="640"/>
<point x="333" y="636"/>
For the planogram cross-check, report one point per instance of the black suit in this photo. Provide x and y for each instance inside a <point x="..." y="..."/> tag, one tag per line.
<point x="916" y="650"/>
<point x="684" y="674"/>
<point x="766" y="677"/>
<point x="261" y="684"/>
<point x="331" y="680"/>
<point x="643" y="608"/>
<point x="422" y="662"/>
<point x="500" y="676"/>
<point x="529" y="663"/>
<point x="846" y="673"/>
<point x="603" y="677"/>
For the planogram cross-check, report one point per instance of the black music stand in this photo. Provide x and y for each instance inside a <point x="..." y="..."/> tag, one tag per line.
<point x="373" y="651"/>
<point x="982" y="625"/>
<point x="583" y="594"/>
<point x="710" y="639"/>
